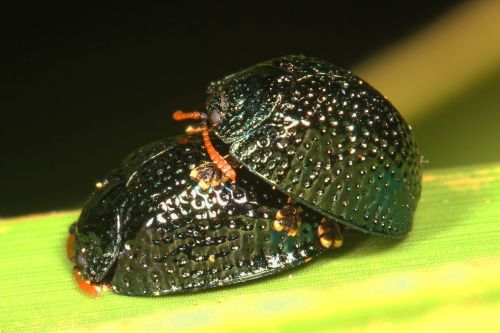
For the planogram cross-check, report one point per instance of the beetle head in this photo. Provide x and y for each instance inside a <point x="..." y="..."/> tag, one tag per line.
<point x="239" y="103"/>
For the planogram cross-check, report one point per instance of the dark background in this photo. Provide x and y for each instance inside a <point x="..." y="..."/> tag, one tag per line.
<point x="85" y="84"/>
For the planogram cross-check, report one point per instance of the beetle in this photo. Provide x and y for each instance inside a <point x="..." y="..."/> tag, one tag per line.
<point x="150" y="229"/>
<point x="320" y="135"/>
<point x="307" y="145"/>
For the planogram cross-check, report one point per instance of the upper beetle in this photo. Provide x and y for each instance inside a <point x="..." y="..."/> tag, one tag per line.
<point x="322" y="136"/>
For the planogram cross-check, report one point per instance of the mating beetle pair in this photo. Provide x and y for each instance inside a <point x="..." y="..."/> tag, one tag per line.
<point x="309" y="146"/>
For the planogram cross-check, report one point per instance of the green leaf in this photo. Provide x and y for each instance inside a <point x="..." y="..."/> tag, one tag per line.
<point x="443" y="275"/>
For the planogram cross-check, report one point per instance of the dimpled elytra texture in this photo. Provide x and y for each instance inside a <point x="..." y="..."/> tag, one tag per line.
<point x="99" y="229"/>
<point x="324" y="137"/>
<point x="174" y="237"/>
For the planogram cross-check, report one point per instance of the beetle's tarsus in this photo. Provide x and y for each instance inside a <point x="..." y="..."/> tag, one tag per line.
<point x="329" y="234"/>
<point x="288" y="219"/>
<point x="208" y="175"/>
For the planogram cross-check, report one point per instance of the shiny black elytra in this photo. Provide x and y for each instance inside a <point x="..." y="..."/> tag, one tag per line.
<point x="149" y="229"/>
<point x="324" y="137"/>
<point x="300" y="128"/>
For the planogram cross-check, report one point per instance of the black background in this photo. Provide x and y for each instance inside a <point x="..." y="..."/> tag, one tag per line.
<point x="83" y="84"/>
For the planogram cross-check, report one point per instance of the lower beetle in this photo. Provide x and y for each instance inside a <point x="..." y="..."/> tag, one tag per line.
<point x="149" y="229"/>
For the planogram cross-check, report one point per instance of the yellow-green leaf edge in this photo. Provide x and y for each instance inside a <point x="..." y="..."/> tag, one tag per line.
<point x="443" y="275"/>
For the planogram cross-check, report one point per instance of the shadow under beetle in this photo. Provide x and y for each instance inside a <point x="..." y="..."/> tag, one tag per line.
<point x="309" y="146"/>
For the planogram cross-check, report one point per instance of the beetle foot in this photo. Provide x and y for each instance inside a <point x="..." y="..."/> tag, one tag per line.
<point x="208" y="175"/>
<point x="329" y="234"/>
<point x="89" y="288"/>
<point x="203" y="130"/>
<point x="288" y="219"/>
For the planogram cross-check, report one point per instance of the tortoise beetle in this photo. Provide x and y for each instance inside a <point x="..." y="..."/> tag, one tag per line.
<point x="149" y="229"/>
<point x="320" y="135"/>
<point x="315" y="145"/>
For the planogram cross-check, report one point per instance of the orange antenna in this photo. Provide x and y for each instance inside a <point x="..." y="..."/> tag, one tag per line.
<point x="180" y="115"/>
<point x="221" y="163"/>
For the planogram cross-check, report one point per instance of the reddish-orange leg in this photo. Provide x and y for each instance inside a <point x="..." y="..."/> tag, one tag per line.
<point x="221" y="163"/>
<point x="214" y="155"/>
<point x="87" y="287"/>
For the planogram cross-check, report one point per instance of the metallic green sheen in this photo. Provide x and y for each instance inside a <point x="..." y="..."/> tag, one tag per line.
<point x="324" y="137"/>
<point x="150" y="230"/>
